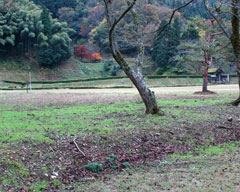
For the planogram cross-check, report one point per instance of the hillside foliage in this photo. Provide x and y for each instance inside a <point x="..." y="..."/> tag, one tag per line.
<point x="27" y="30"/>
<point x="48" y="31"/>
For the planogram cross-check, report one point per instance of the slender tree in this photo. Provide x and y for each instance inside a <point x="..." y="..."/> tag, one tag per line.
<point x="234" y="34"/>
<point x="135" y="76"/>
<point x="202" y="53"/>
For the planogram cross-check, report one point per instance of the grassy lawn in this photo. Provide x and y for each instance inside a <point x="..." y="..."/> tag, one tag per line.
<point x="180" y="151"/>
<point x="29" y="122"/>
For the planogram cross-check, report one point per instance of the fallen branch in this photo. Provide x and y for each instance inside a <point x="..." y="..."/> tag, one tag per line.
<point x="51" y="149"/>
<point x="78" y="148"/>
<point x="222" y="127"/>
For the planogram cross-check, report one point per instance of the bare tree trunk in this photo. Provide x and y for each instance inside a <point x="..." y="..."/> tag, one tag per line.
<point x="135" y="76"/>
<point x="205" y="80"/>
<point x="237" y="101"/>
<point x="146" y="94"/>
<point x="208" y="62"/>
<point x="235" y="40"/>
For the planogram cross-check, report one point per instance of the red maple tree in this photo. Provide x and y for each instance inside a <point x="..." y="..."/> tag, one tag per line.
<point x="82" y="52"/>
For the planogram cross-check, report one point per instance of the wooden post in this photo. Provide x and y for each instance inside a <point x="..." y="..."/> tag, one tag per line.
<point x="30" y="82"/>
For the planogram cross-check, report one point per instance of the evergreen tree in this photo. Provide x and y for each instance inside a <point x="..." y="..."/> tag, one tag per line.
<point x="176" y="31"/>
<point x="165" y="46"/>
<point x="99" y="36"/>
<point x="54" y="41"/>
<point x="190" y="34"/>
<point x="52" y="55"/>
<point x="17" y="26"/>
<point x="25" y="28"/>
<point x="45" y="18"/>
<point x="55" y="5"/>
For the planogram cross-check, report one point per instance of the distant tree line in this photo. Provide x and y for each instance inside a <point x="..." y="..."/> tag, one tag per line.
<point x="43" y="29"/>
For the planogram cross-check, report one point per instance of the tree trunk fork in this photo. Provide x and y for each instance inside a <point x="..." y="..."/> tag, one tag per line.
<point x="135" y="76"/>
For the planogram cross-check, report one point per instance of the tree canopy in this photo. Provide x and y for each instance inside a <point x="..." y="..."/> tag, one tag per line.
<point x="26" y="28"/>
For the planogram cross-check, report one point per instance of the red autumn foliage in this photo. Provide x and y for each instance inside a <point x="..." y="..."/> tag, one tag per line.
<point x="83" y="52"/>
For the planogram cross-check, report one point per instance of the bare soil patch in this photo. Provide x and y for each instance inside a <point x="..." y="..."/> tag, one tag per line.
<point x="205" y="93"/>
<point x="102" y="95"/>
<point x="73" y="98"/>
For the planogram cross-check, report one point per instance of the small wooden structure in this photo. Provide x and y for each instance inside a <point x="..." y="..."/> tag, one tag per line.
<point x="216" y="75"/>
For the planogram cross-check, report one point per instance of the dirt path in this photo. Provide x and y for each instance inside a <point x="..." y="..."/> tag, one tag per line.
<point x="158" y="90"/>
<point x="72" y="96"/>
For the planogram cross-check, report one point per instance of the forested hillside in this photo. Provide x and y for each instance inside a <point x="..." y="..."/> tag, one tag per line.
<point x="47" y="33"/>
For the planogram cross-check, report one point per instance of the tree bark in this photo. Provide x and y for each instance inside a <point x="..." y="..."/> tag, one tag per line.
<point x="205" y="80"/>
<point x="135" y="76"/>
<point x="237" y="101"/>
<point x="235" y="40"/>
<point x="208" y="62"/>
<point x="137" y="79"/>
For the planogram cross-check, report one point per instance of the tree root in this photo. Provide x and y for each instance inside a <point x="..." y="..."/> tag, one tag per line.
<point x="236" y="102"/>
<point x="156" y="111"/>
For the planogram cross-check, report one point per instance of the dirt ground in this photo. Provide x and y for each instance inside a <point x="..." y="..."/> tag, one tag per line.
<point x="102" y="95"/>
<point x="158" y="90"/>
<point x="191" y="121"/>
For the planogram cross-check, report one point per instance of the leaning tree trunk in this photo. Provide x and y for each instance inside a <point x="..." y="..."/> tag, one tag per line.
<point x="135" y="76"/>
<point x="137" y="79"/>
<point x="205" y="80"/>
<point x="146" y="94"/>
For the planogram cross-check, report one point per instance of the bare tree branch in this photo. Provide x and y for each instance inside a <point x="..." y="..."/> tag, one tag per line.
<point x="75" y="143"/>
<point x="218" y="21"/>
<point x="130" y="6"/>
<point x="171" y="18"/>
<point x="140" y="43"/>
<point x="173" y="13"/>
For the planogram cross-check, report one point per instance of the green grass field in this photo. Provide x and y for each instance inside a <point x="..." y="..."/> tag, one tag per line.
<point x="34" y="123"/>
<point x="184" y="150"/>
